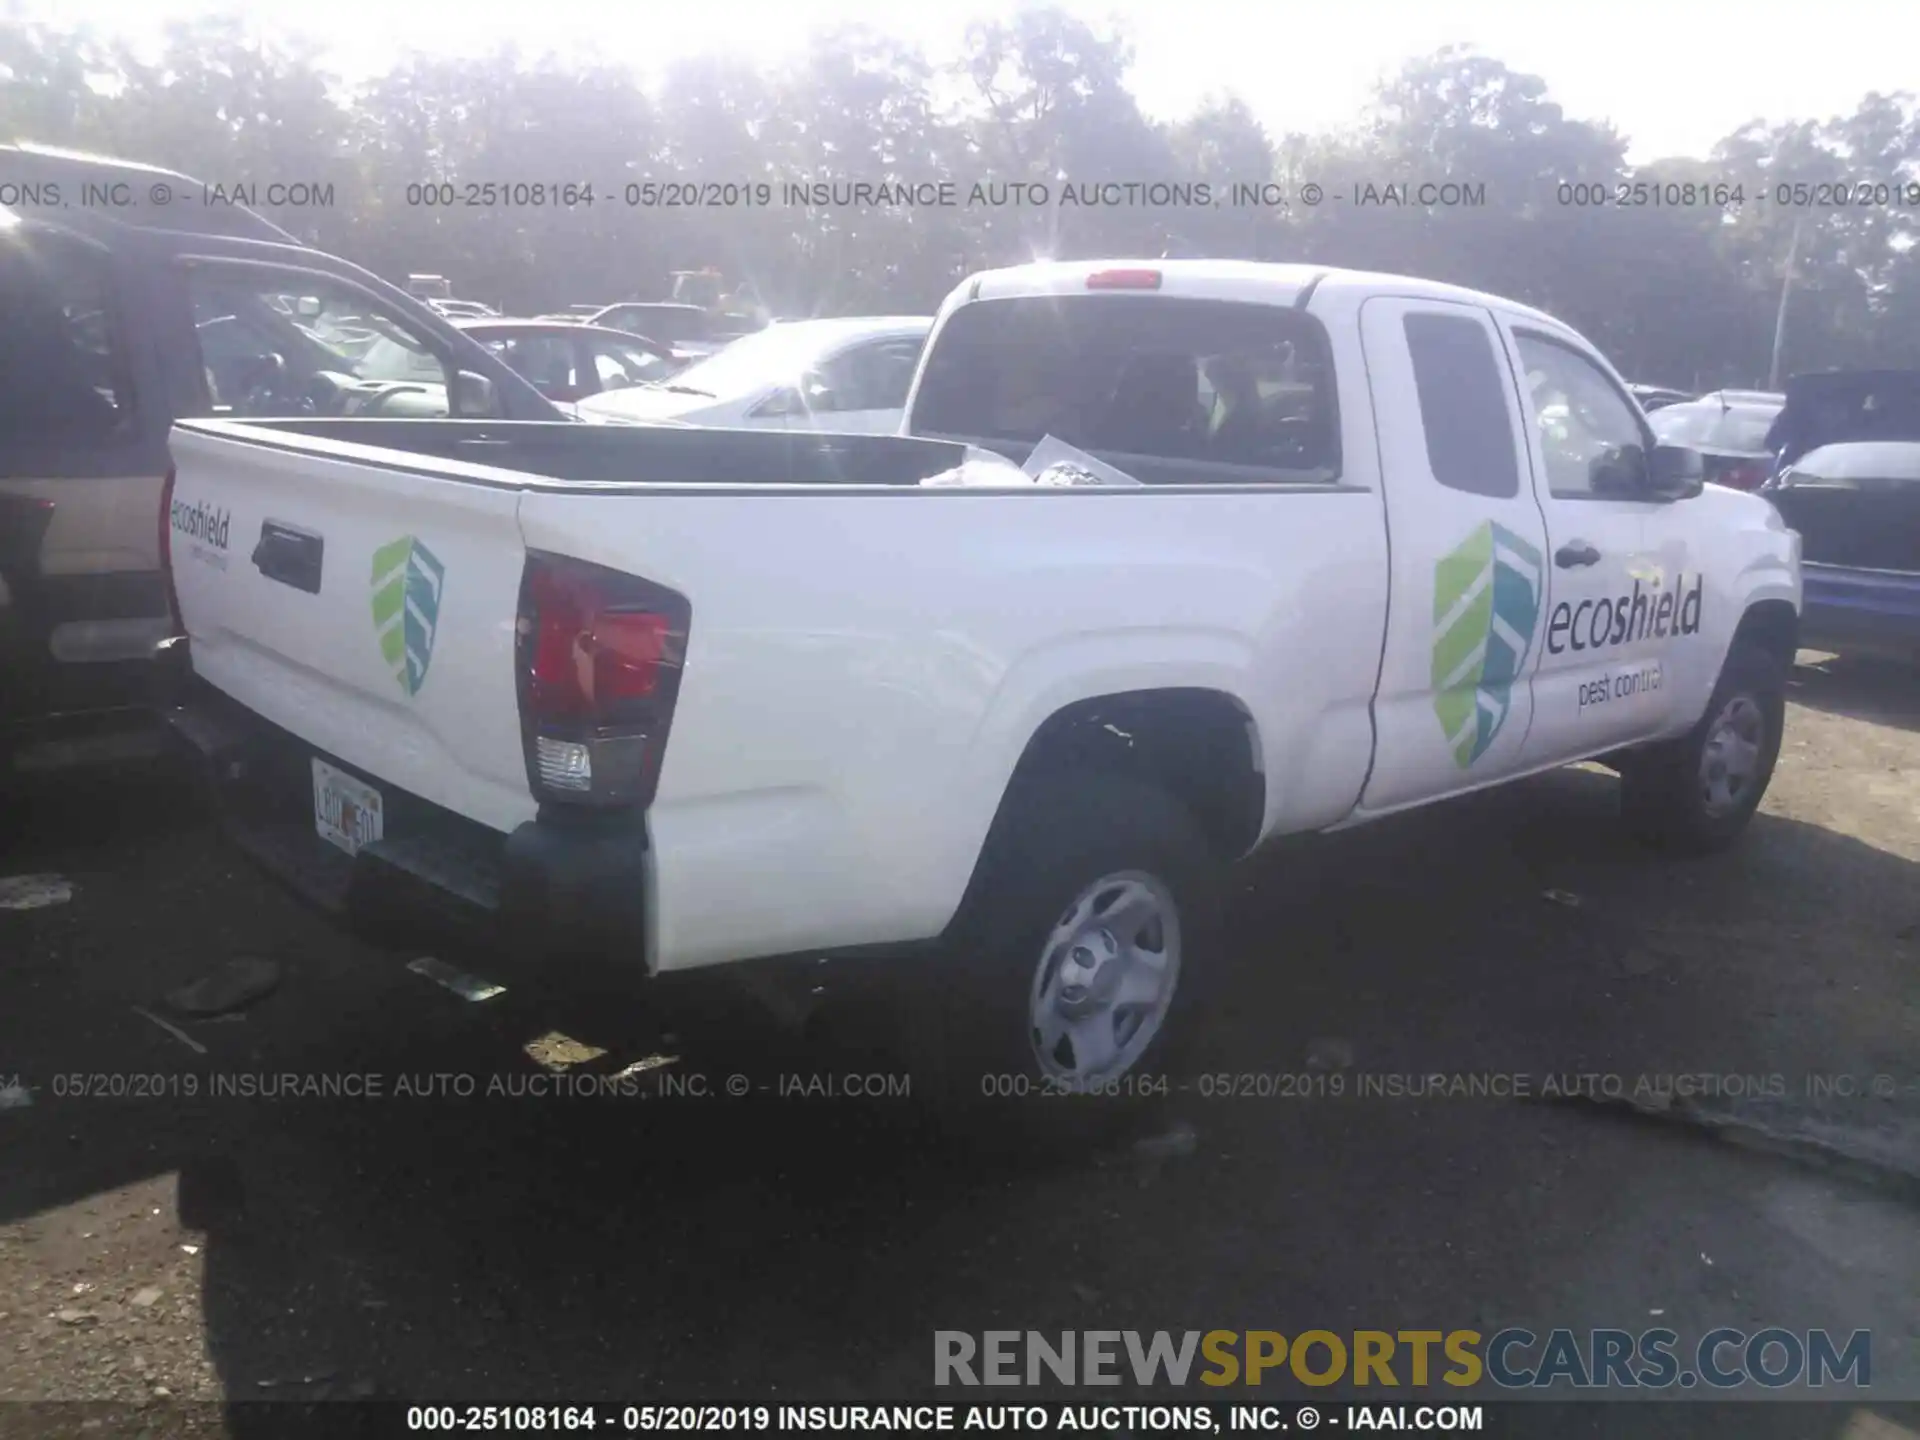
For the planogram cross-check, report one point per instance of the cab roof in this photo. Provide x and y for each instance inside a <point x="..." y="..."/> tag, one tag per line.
<point x="156" y="199"/>
<point x="1257" y="281"/>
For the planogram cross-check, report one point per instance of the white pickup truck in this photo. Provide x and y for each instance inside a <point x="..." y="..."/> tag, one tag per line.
<point x="701" y="696"/>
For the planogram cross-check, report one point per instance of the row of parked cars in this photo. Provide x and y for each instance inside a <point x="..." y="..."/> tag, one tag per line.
<point x="1838" y="454"/>
<point x="117" y="323"/>
<point x="847" y="374"/>
<point x="662" y="362"/>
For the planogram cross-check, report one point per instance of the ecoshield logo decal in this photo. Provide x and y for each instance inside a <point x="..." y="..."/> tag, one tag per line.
<point x="406" y="608"/>
<point x="1486" y="606"/>
<point x="201" y="521"/>
<point x="1636" y="616"/>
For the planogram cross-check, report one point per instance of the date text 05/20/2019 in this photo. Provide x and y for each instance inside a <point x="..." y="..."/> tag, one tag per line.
<point x="940" y="194"/>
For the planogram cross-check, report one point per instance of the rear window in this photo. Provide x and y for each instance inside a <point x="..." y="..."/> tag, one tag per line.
<point x="1713" y="427"/>
<point x="1171" y="390"/>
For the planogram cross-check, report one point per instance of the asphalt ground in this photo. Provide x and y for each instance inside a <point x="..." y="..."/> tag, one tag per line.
<point x="566" y="1237"/>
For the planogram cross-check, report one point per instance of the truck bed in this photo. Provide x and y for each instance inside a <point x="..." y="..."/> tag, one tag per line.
<point x="561" y="451"/>
<point x="866" y="657"/>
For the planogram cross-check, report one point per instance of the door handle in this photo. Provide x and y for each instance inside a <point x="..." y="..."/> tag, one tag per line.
<point x="1574" y="554"/>
<point x="292" y="557"/>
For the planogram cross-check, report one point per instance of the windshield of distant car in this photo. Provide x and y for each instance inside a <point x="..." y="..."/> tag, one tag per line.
<point x="619" y="365"/>
<point x="1740" y="428"/>
<point x="1893" y="460"/>
<point x="753" y="363"/>
<point x="664" y="323"/>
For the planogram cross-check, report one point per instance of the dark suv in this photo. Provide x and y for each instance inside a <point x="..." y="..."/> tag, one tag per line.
<point x="128" y="297"/>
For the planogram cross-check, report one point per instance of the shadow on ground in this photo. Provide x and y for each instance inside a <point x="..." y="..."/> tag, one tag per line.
<point x="587" y="1245"/>
<point x="1880" y="692"/>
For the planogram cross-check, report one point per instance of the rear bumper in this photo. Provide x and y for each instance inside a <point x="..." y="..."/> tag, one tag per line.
<point x="555" y="887"/>
<point x="1869" y="611"/>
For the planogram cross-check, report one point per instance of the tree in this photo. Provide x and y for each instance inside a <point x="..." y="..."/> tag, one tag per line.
<point x="600" y="189"/>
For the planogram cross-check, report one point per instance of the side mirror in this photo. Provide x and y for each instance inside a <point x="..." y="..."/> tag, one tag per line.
<point x="1620" y="471"/>
<point x="1675" y="472"/>
<point x="474" y="397"/>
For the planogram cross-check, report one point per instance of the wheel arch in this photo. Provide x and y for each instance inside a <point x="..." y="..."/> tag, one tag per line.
<point x="1199" y="744"/>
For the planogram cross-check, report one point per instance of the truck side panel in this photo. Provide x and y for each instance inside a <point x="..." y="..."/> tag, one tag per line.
<point x="865" y="669"/>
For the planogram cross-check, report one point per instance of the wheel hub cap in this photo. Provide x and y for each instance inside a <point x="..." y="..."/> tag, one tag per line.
<point x="1730" y="760"/>
<point x="1105" y="978"/>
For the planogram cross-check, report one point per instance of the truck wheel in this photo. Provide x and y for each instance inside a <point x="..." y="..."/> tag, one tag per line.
<point x="1697" y="793"/>
<point x="1075" y="959"/>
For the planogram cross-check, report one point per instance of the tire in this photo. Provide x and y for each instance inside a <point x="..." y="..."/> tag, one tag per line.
<point x="1074" y="847"/>
<point x="1680" y="795"/>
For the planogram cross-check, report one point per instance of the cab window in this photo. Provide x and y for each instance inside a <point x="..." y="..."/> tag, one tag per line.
<point x="1591" y="435"/>
<point x="1174" y="391"/>
<point x="1460" y="383"/>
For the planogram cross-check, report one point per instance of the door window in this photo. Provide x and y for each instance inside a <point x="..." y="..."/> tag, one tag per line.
<point x="1591" y="435"/>
<point x="63" y="359"/>
<point x="288" y="343"/>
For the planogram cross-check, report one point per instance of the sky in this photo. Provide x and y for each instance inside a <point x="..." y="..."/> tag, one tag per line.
<point x="1673" y="77"/>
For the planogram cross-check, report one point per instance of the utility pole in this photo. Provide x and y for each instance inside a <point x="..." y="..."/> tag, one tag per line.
<point x="1780" y="318"/>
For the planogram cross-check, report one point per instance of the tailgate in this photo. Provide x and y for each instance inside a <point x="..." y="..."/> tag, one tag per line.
<point x="364" y="605"/>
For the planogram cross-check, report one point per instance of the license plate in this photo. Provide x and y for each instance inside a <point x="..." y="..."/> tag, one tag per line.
<point x="347" y="812"/>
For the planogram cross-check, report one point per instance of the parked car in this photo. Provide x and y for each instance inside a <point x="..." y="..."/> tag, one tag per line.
<point x="821" y="694"/>
<point x="1849" y="482"/>
<point x="464" y="309"/>
<point x="691" y="332"/>
<point x="1729" y="429"/>
<point x="1656" y="397"/>
<point x="564" y="362"/>
<point x="846" y="375"/>
<point x="107" y="335"/>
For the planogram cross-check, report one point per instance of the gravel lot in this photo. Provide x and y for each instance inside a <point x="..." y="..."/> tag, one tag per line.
<point x="521" y="1247"/>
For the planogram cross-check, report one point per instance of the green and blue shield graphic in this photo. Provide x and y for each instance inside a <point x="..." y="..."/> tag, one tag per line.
<point x="1486" y="605"/>
<point x="406" y="608"/>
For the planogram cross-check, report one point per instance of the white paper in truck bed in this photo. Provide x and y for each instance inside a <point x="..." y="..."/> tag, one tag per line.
<point x="1055" y="462"/>
<point x="981" y="467"/>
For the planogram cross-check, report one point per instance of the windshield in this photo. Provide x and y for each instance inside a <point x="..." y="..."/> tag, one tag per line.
<point x="758" y="362"/>
<point x="1892" y="461"/>
<point x="619" y="366"/>
<point x="665" y="323"/>
<point x="1710" y="426"/>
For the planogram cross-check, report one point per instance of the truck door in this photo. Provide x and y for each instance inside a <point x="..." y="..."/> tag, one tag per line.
<point x="1613" y="609"/>
<point x="1468" y="553"/>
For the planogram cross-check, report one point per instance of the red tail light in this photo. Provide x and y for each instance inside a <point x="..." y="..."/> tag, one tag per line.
<point x="1124" y="280"/>
<point x="178" y="627"/>
<point x="599" y="654"/>
<point x="1745" y="477"/>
